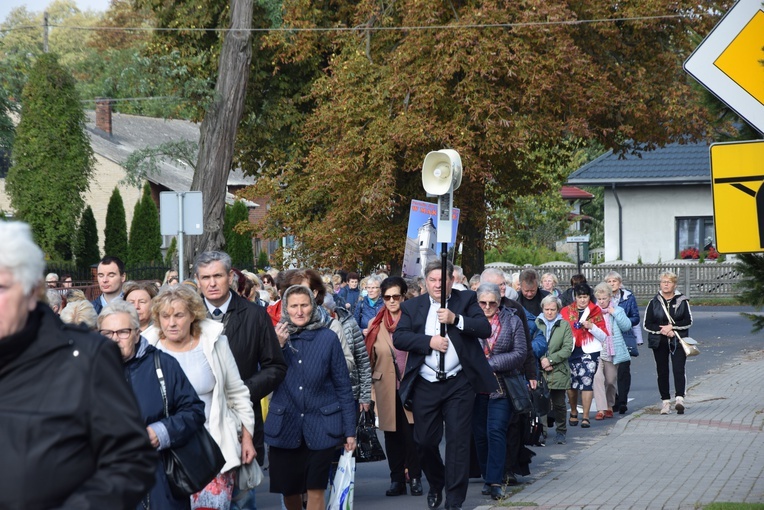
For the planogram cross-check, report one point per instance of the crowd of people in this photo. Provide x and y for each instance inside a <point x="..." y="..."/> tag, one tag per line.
<point x="280" y="364"/>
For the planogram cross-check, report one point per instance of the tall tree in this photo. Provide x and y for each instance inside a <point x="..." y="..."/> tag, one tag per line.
<point x="499" y="95"/>
<point x="145" y="244"/>
<point x="237" y="244"/>
<point x="85" y="246"/>
<point x="52" y="157"/>
<point x="115" y="233"/>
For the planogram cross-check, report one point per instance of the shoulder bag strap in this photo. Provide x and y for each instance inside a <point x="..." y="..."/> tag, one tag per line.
<point x="663" y="305"/>
<point x="162" y="386"/>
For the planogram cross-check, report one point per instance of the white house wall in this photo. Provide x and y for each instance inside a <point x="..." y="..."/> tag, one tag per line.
<point x="649" y="219"/>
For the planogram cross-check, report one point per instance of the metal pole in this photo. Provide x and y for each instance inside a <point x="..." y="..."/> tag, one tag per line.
<point x="181" y="263"/>
<point x="443" y="299"/>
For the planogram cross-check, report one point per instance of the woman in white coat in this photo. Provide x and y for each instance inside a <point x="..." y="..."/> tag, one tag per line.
<point x="183" y="331"/>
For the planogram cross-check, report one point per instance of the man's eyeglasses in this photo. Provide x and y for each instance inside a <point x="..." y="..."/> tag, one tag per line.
<point x="488" y="304"/>
<point x="392" y="297"/>
<point x="122" y="334"/>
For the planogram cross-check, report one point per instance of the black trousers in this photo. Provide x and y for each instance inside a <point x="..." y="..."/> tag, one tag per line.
<point x="669" y="351"/>
<point x="623" y="384"/>
<point x="435" y="403"/>
<point x="401" y="449"/>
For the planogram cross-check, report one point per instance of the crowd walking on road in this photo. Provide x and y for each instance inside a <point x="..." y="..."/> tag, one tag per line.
<point x="101" y="400"/>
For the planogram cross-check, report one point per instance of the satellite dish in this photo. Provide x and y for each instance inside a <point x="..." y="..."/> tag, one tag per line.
<point x="441" y="172"/>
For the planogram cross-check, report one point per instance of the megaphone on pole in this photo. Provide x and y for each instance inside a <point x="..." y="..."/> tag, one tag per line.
<point x="442" y="172"/>
<point x="441" y="175"/>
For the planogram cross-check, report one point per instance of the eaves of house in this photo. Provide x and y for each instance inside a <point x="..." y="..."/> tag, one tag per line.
<point x="675" y="163"/>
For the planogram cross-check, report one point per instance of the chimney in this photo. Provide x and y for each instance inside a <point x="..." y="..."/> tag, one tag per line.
<point x="103" y="114"/>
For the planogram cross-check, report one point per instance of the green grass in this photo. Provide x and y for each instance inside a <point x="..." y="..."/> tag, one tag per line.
<point x="734" y="506"/>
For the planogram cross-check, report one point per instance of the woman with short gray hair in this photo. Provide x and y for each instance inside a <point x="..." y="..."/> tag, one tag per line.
<point x="505" y="351"/>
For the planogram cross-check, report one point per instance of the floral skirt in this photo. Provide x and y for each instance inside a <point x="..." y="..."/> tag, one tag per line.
<point x="583" y="366"/>
<point x="217" y="494"/>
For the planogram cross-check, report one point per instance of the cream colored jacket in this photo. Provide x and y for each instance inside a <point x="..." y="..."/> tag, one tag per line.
<point x="231" y="406"/>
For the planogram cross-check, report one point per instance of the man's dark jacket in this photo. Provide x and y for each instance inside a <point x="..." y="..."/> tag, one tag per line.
<point x="71" y="434"/>
<point x="409" y="336"/>
<point x="256" y="350"/>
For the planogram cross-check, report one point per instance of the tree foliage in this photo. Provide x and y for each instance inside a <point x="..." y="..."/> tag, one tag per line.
<point x="500" y="96"/>
<point x="237" y="244"/>
<point x="751" y="267"/>
<point x="52" y="158"/>
<point x="85" y="246"/>
<point x="115" y="233"/>
<point x="145" y="244"/>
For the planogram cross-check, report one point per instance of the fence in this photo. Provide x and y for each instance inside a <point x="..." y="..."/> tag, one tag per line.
<point x="696" y="280"/>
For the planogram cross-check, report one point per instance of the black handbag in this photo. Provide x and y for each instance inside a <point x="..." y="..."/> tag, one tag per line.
<point x="542" y="402"/>
<point x="368" y="449"/>
<point x="189" y="467"/>
<point x="519" y="395"/>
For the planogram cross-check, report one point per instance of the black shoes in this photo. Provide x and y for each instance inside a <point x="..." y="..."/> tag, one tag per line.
<point x="622" y="409"/>
<point x="497" y="493"/>
<point x="510" y="478"/>
<point x="434" y="498"/>
<point x="416" y="487"/>
<point x="396" y="489"/>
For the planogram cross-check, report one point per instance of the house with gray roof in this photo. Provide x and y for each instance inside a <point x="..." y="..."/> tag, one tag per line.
<point x="657" y="203"/>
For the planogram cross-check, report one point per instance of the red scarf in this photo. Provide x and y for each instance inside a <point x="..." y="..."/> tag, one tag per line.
<point x="274" y="311"/>
<point x="383" y="316"/>
<point x="489" y="342"/>
<point x="580" y="334"/>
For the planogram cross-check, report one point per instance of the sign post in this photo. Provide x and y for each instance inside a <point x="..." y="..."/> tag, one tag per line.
<point x="579" y="240"/>
<point x="727" y="62"/>
<point x="737" y="183"/>
<point x="180" y="213"/>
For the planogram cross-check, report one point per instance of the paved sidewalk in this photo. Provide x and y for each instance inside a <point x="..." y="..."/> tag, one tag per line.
<point x="714" y="452"/>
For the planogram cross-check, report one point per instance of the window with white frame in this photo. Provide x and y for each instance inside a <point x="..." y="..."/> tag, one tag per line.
<point x="695" y="232"/>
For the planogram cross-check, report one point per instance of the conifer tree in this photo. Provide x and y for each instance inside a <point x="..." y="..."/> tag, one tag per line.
<point x="85" y="246"/>
<point x="52" y="158"/>
<point x="115" y="233"/>
<point x="238" y="246"/>
<point x="751" y="267"/>
<point x="145" y="244"/>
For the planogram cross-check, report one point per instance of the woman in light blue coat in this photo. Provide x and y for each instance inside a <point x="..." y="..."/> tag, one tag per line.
<point x="614" y="351"/>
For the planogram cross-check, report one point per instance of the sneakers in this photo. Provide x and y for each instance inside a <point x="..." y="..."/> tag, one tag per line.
<point x="666" y="408"/>
<point x="679" y="405"/>
<point x="560" y="438"/>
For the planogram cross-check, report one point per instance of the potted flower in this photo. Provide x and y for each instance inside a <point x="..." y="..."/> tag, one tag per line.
<point x="689" y="253"/>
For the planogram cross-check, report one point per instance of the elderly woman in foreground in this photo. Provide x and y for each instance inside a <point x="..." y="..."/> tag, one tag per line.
<point x="313" y="410"/>
<point x="119" y="322"/>
<point x="184" y="332"/>
<point x="667" y="318"/>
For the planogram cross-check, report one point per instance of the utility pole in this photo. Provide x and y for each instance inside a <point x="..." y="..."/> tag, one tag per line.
<point x="45" y="32"/>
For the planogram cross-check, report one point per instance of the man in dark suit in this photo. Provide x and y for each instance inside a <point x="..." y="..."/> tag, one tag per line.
<point x="448" y="396"/>
<point x="251" y="338"/>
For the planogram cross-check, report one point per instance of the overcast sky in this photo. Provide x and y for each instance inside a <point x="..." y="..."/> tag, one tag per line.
<point x="7" y="6"/>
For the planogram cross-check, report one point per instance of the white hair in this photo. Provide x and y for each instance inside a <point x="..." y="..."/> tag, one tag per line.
<point x="20" y="256"/>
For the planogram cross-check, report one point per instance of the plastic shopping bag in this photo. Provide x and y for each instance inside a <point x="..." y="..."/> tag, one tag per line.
<point x="341" y="496"/>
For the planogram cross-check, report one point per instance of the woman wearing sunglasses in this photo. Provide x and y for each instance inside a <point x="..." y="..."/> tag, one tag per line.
<point x="505" y="351"/>
<point x="387" y="365"/>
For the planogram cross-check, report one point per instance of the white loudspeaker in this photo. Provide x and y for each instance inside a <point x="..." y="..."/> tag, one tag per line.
<point x="441" y="172"/>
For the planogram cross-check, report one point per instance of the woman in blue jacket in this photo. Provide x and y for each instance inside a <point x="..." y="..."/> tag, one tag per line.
<point x="313" y="410"/>
<point x="119" y="322"/>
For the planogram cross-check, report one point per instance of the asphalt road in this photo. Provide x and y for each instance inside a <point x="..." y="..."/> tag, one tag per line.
<point x="722" y="332"/>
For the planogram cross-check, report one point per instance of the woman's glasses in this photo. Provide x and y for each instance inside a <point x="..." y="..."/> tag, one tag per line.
<point x="488" y="304"/>
<point x="392" y="297"/>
